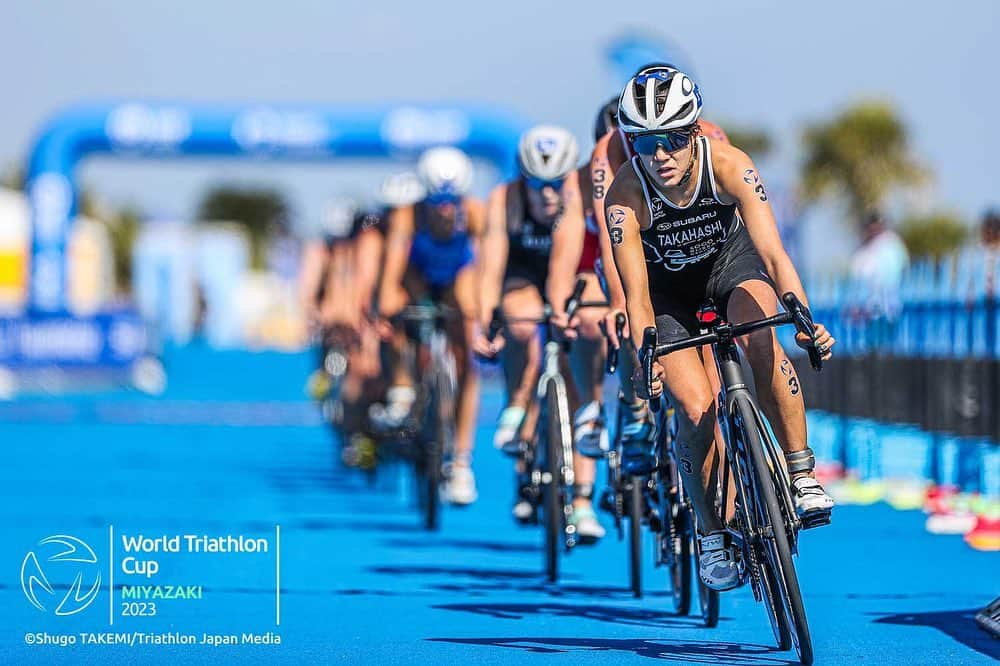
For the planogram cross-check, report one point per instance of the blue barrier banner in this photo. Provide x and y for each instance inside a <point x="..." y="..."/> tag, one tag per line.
<point x="163" y="130"/>
<point x="114" y="339"/>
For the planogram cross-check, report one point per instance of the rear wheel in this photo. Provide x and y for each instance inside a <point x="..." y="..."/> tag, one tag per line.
<point x="433" y="447"/>
<point x="635" y="501"/>
<point x="680" y="569"/>
<point x="777" y="552"/>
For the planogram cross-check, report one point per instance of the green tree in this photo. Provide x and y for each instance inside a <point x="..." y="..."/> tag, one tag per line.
<point x="13" y="177"/>
<point x="263" y="212"/>
<point x="123" y="228"/>
<point x="860" y="155"/>
<point x="757" y="143"/>
<point x="934" y="235"/>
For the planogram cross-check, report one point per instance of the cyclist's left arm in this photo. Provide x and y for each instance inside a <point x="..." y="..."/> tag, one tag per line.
<point x="740" y="182"/>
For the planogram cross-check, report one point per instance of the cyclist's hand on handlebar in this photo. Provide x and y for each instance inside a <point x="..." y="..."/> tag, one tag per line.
<point x="392" y="300"/>
<point x="821" y="338"/>
<point x="482" y="345"/>
<point x="384" y="329"/>
<point x="611" y="330"/>
<point x="565" y="326"/>
<point x="639" y="382"/>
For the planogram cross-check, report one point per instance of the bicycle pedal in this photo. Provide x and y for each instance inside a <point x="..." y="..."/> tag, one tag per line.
<point x="514" y="448"/>
<point x="815" y="519"/>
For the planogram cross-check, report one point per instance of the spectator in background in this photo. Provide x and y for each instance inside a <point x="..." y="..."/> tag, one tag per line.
<point x="877" y="273"/>
<point x="880" y="261"/>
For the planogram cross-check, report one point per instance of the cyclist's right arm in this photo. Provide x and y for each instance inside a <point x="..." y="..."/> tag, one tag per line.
<point x="493" y="256"/>
<point x="625" y="205"/>
<point x="492" y="263"/>
<point x="314" y="258"/>
<point x="369" y="246"/>
<point x="399" y="238"/>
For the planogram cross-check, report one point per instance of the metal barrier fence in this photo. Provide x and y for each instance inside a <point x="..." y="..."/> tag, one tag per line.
<point x="913" y="392"/>
<point x="944" y="308"/>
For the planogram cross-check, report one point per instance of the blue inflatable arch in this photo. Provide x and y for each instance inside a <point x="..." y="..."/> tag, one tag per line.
<point x="168" y="130"/>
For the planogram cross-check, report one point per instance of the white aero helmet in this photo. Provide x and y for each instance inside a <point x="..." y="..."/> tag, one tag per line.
<point x="659" y="98"/>
<point x="444" y="172"/>
<point x="547" y="152"/>
<point x="401" y="189"/>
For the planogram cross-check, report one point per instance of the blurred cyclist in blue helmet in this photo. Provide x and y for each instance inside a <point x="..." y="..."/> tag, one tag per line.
<point x="430" y="254"/>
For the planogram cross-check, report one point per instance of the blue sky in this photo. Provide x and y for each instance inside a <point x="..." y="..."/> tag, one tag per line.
<point x="777" y="65"/>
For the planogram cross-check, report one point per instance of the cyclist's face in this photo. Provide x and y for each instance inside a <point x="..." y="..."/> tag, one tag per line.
<point x="666" y="157"/>
<point x="667" y="167"/>
<point x="545" y="202"/>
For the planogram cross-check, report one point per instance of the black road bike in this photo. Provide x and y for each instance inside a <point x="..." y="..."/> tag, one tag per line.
<point x="659" y="501"/>
<point x="766" y="525"/>
<point x="548" y="458"/>
<point x="427" y="436"/>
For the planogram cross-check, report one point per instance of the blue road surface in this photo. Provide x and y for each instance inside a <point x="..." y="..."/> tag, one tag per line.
<point x="234" y="449"/>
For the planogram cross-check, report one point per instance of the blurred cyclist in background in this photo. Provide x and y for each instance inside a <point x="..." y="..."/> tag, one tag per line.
<point x="326" y="265"/>
<point x="431" y="248"/>
<point x="364" y="383"/>
<point x="347" y="378"/>
<point x="689" y="220"/>
<point x="531" y="255"/>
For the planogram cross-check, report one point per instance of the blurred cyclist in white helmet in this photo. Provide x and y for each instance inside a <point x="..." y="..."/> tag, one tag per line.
<point x="430" y="253"/>
<point x="531" y="253"/>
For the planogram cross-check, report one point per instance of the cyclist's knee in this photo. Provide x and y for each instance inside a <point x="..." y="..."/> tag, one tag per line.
<point x="590" y="325"/>
<point x="761" y="346"/>
<point x="697" y="417"/>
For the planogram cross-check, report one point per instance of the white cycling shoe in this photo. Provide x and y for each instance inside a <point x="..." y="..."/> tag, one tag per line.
<point x="588" y="529"/>
<point x="508" y="426"/>
<point x="523" y="511"/>
<point x="398" y="405"/>
<point x="717" y="565"/>
<point x="460" y="486"/>
<point x="812" y="504"/>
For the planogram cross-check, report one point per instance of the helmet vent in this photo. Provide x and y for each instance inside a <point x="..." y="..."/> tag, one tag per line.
<point x="682" y="112"/>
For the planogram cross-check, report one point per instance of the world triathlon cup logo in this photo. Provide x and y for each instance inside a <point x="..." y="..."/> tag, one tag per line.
<point x="60" y="563"/>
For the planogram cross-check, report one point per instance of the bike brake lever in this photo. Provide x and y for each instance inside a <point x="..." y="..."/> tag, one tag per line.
<point x="646" y="357"/>
<point x="612" y="355"/>
<point x="573" y="302"/>
<point x="804" y="324"/>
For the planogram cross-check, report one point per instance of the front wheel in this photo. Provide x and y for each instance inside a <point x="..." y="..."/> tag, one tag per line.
<point x="680" y="567"/>
<point x="635" y="502"/>
<point x="555" y="514"/>
<point x="777" y="552"/>
<point x="708" y="599"/>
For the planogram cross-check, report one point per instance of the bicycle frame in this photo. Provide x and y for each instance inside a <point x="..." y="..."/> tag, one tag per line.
<point x="732" y="384"/>
<point x="551" y="374"/>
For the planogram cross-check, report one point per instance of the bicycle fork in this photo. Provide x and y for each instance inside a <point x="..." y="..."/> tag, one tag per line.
<point x="551" y="373"/>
